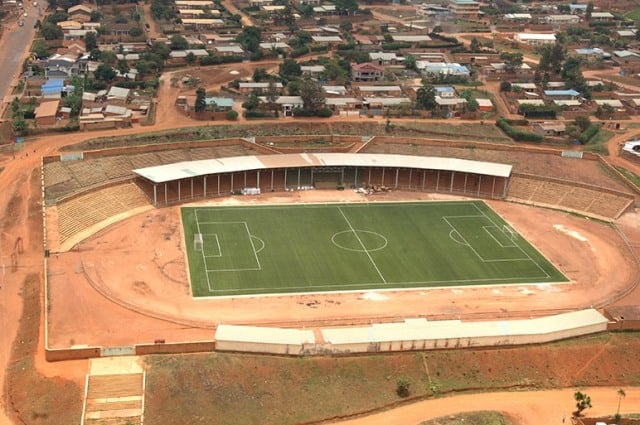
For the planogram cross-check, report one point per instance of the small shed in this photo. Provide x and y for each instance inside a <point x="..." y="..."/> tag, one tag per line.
<point x="45" y="113"/>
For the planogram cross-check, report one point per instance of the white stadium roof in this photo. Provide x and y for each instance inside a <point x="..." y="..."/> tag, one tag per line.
<point x="187" y="169"/>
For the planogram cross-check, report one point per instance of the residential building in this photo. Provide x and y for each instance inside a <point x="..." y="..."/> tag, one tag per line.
<point x="534" y="39"/>
<point x="249" y="87"/>
<point x="367" y="71"/>
<point x="468" y="9"/>
<point x="80" y="13"/>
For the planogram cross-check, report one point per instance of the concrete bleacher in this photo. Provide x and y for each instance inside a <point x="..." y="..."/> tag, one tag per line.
<point x="63" y="178"/>
<point x="569" y="196"/>
<point x="79" y="213"/>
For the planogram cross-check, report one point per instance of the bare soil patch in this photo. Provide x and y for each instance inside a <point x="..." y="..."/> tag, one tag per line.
<point x="274" y="390"/>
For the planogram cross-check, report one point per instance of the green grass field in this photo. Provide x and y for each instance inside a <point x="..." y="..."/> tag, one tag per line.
<point x="341" y="247"/>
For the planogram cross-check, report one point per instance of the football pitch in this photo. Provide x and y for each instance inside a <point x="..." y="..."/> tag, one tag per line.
<point x="364" y="246"/>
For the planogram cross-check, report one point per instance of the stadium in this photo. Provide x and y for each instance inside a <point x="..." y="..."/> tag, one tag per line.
<point x="238" y="245"/>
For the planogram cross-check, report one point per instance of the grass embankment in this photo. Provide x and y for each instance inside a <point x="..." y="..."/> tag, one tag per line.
<point x="471" y="418"/>
<point x="466" y="132"/>
<point x="245" y="389"/>
<point x="633" y="177"/>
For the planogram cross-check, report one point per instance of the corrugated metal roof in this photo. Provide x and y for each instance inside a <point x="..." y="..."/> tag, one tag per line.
<point x="181" y="170"/>
<point x="261" y="335"/>
<point x="452" y="329"/>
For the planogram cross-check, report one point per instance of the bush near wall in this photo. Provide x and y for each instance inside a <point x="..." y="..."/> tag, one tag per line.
<point x="589" y="133"/>
<point x="518" y="135"/>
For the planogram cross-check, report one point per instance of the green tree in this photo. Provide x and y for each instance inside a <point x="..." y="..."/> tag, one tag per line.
<point x="160" y="49"/>
<point x="20" y="126"/>
<point x="91" y="41"/>
<point x="108" y="57"/>
<point x="588" y="11"/>
<point x="272" y="96"/>
<point x="250" y="38"/>
<point x="583" y="401"/>
<point x="426" y="96"/>
<point x="51" y="31"/>
<point x="411" y="63"/>
<point x="312" y="95"/>
<point x="41" y="50"/>
<point x="178" y="42"/>
<point x="621" y="395"/>
<point x="289" y="69"/>
<point x="475" y="45"/>
<point x="201" y="95"/>
<point x="190" y="58"/>
<point x="583" y="122"/>
<point x="512" y="60"/>
<point x="104" y="72"/>
<point x="260" y="74"/>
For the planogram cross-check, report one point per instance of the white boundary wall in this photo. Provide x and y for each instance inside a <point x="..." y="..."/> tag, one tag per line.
<point x="412" y="334"/>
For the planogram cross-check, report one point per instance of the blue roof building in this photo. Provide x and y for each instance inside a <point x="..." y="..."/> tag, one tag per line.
<point x="224" y="103"/>
<point x="52" y="88"/>
<point x="562" y="94"/>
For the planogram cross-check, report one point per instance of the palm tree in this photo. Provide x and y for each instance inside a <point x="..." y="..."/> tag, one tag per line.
<point x="621" y="394"/>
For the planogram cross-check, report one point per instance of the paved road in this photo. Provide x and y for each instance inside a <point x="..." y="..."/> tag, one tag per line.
<point x="14" y="46"/>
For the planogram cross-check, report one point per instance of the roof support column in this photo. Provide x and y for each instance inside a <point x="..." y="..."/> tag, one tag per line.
<point x="204" y="190"/>
<point x="191" y="187"/>
<point x="272" y="173"/>
<point x="218" y="184"/>
<point x="258" y="179"/>
<point x="397" y="176"/>
<point x="493" y="187"/>
<point x="179" y="198"/>
<point x="466" y="175"/>
<point x="285" y="179"/>
<point x="438" y="181"/>
<point x="453" y="175"/>
<point x="312" y="169"/>
<point x="504" y="187"/>
<point x="382" y="182"/>
<point x="166" y="194"/>
<point x="231" y="182"/>
<point x="410" y="175"/>
<point x="299" y="170"/>
<point x="355" y="178"/>
<point x="155" y="195"/>
<point x="369" y="181"/>
<point x="479" y="183"/>
<point x="245" y="179"/>
<point x="424" y="178"/>
<point x="342" y="176"/>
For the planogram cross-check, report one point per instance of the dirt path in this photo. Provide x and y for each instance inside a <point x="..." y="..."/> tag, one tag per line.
<point x="231" y="8"/>
<point x="525" y="408"/>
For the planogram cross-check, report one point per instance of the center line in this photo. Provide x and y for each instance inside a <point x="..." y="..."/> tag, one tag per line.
<point x="362" y="245"/>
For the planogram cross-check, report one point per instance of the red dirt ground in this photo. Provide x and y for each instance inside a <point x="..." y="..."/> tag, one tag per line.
<point x="147" y="274"/>
<point x="602" y="267"/>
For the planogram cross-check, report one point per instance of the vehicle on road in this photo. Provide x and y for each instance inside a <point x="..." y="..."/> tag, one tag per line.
<point x="20" y="23"/>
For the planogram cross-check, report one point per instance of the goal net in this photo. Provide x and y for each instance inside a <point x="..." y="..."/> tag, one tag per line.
<point x="510" y="233"/>
<point x="197" y="242"/>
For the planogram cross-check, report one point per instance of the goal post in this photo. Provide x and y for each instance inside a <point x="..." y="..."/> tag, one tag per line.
<point x="198" y="244"/>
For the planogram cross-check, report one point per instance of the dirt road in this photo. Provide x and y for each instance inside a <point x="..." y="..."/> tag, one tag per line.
<point x="525" y="408"/>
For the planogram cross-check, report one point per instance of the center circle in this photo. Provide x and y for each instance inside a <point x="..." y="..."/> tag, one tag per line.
<point x="359" y="240"/>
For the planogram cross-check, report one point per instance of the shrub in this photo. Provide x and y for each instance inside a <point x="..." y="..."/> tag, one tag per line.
<point x="324" y="112"/>
<point x="232" y="115"/>
<point x="516" y="134"/>
<point x="591" y="131"/>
